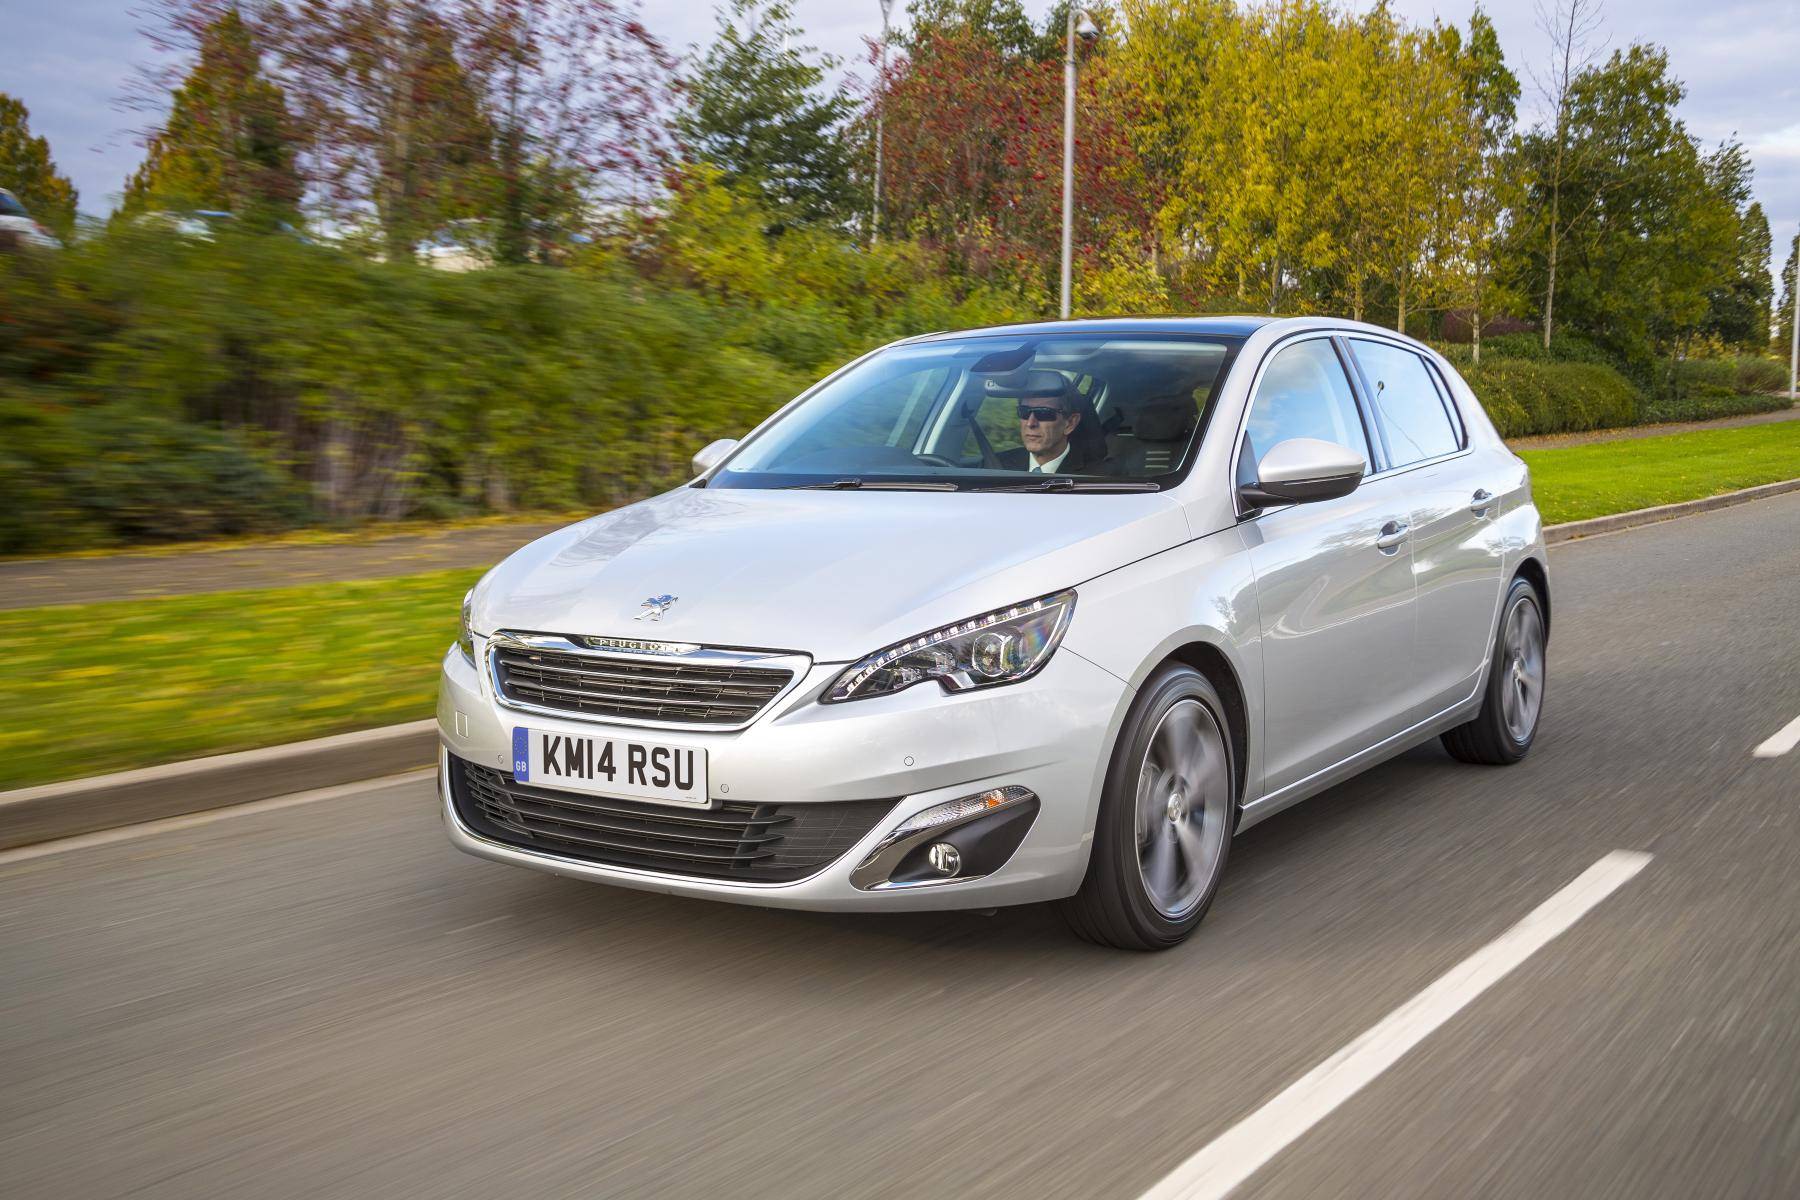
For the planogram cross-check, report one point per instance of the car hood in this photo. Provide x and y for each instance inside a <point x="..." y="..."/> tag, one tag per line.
<point x="834" y="574"/>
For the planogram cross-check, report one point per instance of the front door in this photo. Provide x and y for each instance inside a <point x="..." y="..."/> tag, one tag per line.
<point x="1334" y="580"/>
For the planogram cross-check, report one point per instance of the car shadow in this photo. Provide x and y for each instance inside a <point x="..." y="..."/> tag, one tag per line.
<point x="684" y="934"/>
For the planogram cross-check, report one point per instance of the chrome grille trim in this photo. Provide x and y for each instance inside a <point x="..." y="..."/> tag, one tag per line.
<point x="709" y="688"/>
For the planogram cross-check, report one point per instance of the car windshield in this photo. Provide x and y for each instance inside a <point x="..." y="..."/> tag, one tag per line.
<point x="10" y="207"/>
<point x="1065" y="412"/>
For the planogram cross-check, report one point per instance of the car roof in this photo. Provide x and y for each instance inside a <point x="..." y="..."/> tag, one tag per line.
<point x="1227" y="326"/>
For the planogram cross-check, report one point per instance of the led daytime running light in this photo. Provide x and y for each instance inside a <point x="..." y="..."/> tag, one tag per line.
<point x="848" y="684"/>
<point x="959" y="810"/>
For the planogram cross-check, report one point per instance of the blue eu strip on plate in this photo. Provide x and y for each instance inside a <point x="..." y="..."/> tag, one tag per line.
<point x="521" y="753"/>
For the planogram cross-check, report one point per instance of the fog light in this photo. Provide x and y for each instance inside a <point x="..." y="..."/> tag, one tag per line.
<point x="945" y="859"/>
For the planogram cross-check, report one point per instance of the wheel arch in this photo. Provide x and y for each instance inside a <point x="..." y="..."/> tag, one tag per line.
<point x="1532" y="571"/>
<point x="1212" y="662"/>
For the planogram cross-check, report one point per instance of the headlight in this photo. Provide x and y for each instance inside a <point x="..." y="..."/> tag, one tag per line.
<point x="466" y="636"/>
<point x="994" y="648"/>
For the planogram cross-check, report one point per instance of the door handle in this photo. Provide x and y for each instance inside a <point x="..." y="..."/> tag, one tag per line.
<point x="1391" y="535"/>
<point x="1481" y="501"/>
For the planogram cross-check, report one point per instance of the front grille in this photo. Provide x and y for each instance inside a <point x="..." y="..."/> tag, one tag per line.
<point x="756" y="843"/>
<point x="684" y="693"/>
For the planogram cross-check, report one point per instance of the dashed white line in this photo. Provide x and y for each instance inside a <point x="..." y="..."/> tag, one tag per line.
<point x="1236" y="1154"/>
<point x="1785" y="739"/>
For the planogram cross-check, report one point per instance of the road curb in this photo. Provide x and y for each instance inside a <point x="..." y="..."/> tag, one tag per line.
<point x="60" y="810"/>
<point x="1570" y="530"/>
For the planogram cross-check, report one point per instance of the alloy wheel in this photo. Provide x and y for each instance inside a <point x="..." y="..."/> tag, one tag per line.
<point x="1522" y="667"/>
<point x="1183" y="808"/>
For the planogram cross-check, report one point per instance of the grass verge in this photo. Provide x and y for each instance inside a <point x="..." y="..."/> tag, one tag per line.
<point x="1573" y="483"/>
<point x="90" y="688"/>
<point x="86" y="689"/>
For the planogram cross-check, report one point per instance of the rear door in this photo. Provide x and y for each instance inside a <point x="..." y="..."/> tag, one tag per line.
<point x="1334" y="579"/>
<point x="1457" y="563"/>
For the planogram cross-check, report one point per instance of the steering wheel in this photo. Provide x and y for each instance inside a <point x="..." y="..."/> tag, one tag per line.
<point x="936" y="460"/>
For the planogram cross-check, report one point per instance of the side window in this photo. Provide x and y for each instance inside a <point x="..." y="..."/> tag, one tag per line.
<point x="1406" y="401"/>
<point x="1303" y="393"/>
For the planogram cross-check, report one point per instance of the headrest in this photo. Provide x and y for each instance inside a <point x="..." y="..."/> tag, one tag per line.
<point x="1031" y="385"/>
<point x="1165" y="420"/>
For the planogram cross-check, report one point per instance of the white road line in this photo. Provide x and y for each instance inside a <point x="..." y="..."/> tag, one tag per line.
<point x="1785" y="739"/>
<point x="1237" y="1153"/>
<point x="126" y="833"/>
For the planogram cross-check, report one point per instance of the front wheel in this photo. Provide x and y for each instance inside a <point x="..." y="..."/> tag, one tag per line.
<point x="1165" y="821"/>
<point x="1502" y="732"/>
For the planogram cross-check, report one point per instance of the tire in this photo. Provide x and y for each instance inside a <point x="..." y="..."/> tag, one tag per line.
<point x="1503" y="731"/>
<point x="1166" y="818"/>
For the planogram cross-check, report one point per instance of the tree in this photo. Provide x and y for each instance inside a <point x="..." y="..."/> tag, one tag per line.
<point x="1486" y="185"/>
<point x="27" y="171"/>
<point x="1001" y="24"/>
<point x="1784" y="324"/>
<point x="1647" y="224"/>
<point x="1740" y="307"/>
<point x="1571" y="27"/>
<point x="755" y="107"/>
<point x="227" y="143"/>
<point x="578" y="92"/>
<point x="974" y="155"/>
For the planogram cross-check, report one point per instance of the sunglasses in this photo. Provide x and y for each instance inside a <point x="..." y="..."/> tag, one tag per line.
<point x="1030" y="412"/>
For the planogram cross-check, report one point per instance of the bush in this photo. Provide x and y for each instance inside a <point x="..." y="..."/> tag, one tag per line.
<point x="98" y="476"/>
<point x="159" y="387"/>
<point x="1565" y="347"/>
<point x="1524" y="397"/>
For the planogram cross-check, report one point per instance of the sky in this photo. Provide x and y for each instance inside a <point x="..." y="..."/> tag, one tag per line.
<point x="70" y="61"/>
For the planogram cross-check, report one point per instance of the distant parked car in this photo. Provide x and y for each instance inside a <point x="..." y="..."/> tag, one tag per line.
<point x="203" y="224"/>
<point x="18" y="228"/>
<point x="826" y="673"/>
<point x="461" y="245"/>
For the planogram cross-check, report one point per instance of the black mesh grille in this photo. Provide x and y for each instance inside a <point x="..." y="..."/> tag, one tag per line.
<point x="690" y="693"/>
<point x="760" y="843"/>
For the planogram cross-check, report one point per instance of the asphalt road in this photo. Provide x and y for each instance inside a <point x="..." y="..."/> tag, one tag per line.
<point x="325" y="1000"/>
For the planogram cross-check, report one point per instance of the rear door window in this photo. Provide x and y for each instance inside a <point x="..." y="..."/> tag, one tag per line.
<point x="1407" y="403"/>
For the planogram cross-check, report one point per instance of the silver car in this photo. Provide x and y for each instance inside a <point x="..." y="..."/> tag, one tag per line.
<point x="1035" y="613"/>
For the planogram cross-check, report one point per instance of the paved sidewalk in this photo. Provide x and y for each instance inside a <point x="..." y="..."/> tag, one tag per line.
<point x="1555" y="441"/>
<point x="29" y="583"/>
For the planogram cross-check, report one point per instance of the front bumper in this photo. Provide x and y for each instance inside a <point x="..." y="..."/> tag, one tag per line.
<point x="1050" y="734"/>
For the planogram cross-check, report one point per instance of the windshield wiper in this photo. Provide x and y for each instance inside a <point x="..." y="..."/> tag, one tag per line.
<point x="856" y="483"/>
<point x="1062" y="483"/>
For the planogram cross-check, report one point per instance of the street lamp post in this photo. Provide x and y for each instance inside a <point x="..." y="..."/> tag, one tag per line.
<point x="1794" y="315"/>
<point x="1080" y="25"/>
<point x="880" y="96"/>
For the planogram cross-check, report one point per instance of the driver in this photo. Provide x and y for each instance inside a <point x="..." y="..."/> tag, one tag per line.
<point x="1046" y="419"/>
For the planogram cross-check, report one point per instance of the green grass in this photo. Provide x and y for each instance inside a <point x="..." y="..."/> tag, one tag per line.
<point x="1576" y="482"/>
<point x="91" y="688"/>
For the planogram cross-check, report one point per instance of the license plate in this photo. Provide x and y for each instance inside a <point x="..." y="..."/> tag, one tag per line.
<point x="620" y="767"/>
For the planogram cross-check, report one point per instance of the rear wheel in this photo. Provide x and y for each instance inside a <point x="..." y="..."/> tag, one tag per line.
<point x="1165" y="821"/>
<point x="1502" y="732"/>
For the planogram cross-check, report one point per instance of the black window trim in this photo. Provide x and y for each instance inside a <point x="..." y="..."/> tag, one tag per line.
<point x="1457" y="426"/>
<point x="1232" y="343"/>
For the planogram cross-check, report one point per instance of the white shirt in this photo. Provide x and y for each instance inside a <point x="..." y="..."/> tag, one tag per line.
<point x="1049" y="468"/>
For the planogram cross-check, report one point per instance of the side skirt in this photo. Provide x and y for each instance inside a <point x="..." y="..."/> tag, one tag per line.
<point x="1362" y="760"/>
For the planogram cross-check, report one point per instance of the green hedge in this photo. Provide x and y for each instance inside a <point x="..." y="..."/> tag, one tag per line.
<point x="1523" y="398"/>
<point x="163" y="388"/>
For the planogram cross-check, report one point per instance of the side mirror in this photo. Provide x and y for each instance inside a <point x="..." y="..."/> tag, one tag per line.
<point x="1301" y="470"/>
<point x="712" y="454"/>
